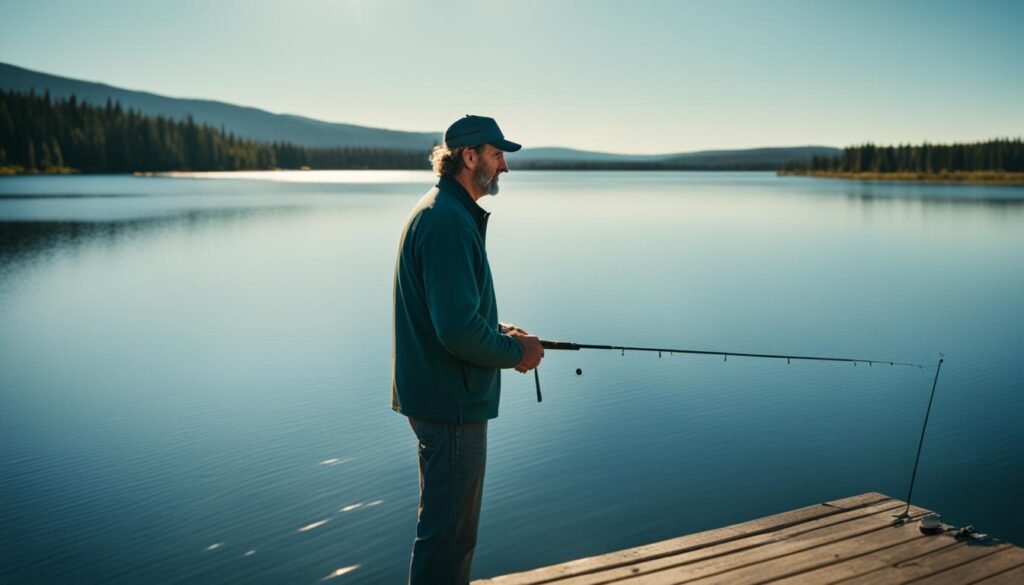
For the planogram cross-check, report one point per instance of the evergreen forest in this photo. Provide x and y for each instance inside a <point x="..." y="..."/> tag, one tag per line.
<point x="40" y="134"/>
<point x="1002" y="155"/>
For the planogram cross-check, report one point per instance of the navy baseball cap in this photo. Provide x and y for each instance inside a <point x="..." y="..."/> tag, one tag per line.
<point x="477" y="130"/>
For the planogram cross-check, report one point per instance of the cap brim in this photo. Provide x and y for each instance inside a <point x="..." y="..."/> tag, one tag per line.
<point x="506" y="145"/>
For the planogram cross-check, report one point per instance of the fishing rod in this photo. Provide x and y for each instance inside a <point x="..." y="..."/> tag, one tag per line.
<point x="905" y="516"/>
<point x="571" y="346"/>
<point x="902" y="518"/>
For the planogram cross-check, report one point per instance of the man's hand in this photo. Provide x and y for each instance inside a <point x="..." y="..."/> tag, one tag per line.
<point x="510" y="329"/>
<point x="532" y="352"/>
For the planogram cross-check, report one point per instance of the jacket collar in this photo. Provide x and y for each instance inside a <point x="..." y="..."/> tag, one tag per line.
<point x="452" y="186"/>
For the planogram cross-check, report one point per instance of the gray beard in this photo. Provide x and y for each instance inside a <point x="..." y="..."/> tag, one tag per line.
<point x="489" y="185"/>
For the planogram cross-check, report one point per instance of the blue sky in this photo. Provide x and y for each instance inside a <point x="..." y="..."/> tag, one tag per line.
<point x="638" y="77"/>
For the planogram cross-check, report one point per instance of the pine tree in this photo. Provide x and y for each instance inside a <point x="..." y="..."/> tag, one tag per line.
<point x="30" y="161"/>
<point x="45" y="162"/>
<point x="58" y="155"/>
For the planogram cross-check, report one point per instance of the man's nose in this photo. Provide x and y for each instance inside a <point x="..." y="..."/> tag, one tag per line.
<point x="502" y="166"/>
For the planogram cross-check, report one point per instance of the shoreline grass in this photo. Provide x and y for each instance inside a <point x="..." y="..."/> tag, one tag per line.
<point x="9" y="170"/>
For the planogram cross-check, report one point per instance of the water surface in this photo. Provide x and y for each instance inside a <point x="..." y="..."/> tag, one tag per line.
<point x="195" y="383"/>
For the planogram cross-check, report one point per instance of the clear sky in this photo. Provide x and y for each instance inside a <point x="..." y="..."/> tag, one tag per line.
<point x="638" y="77"/>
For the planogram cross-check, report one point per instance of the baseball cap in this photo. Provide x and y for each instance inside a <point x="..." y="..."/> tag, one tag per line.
<point x="476" y="130"/>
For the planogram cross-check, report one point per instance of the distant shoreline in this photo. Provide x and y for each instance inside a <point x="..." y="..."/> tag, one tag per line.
<point x="22" y="172"/>
<point x="11" y="170"/>
<point x="948" y="177"/>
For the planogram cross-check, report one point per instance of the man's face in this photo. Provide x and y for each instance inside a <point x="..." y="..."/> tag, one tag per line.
<point x="490" y="164"/>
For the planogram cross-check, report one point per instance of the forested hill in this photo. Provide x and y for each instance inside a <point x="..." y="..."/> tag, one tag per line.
<point x="265" y="127"/>
<point x="1002" y="155"/>
<point x="39" y="133"/>
<point x="248" y="123"/>
<point x="42" y="134"/>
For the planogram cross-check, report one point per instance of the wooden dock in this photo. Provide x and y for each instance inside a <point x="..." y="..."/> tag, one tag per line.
<point x="853" y="541"/>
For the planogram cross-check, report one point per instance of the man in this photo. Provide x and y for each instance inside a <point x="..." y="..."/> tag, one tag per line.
<point x="449" y="346"/>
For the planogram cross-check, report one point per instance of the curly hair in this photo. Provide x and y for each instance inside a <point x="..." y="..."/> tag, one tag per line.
<point x="447" y="162"/>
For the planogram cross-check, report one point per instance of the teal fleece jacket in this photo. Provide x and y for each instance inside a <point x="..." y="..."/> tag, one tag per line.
<point x="448" y="350"/>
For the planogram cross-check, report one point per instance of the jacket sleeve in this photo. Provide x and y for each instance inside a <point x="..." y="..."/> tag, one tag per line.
<point x="453" y="299"/>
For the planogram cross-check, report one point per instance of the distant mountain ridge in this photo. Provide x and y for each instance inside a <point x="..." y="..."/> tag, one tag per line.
<point x="263" y="126"/>
<point x="245" y="122"/>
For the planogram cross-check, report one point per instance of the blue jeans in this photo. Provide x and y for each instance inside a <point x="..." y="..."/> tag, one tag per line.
<point x="452" y="460"/>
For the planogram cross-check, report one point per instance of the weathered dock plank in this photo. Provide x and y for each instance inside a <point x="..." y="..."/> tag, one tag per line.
<point x="873" y="564"/>
<point x="853" y="540"/>
<point x="991" y="565"/>
<point x="925" y="566"/>
<point x="694" y="542"/>
<point x="782" y="553"/>
<point x="1012" y="577"/>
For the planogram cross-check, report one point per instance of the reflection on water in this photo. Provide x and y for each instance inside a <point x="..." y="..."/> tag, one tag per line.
<point x="334" y="461"/>
<point x="207" y="361"/>
<point x="21" y="241"/>
<point x="1010" y="200"/>
<point x="358" y="505"/>
<point x="341" y="571"/>
<point x="938" y="193"/>
<point x="316" y="524"/>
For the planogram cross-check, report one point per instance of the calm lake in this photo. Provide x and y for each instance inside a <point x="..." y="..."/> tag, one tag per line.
<point x="195" y="372"/>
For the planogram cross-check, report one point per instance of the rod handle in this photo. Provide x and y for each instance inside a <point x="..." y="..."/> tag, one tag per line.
<point x="547" y="344"/>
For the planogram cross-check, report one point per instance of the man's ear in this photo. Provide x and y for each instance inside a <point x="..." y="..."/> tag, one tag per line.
<point x="470" y="157"/>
